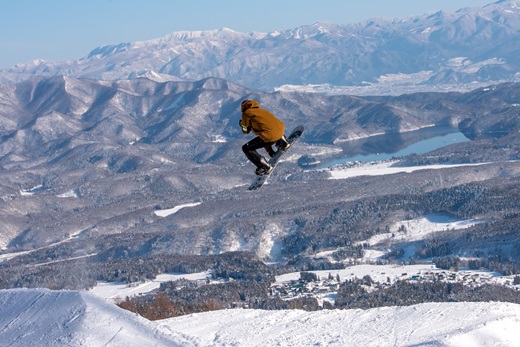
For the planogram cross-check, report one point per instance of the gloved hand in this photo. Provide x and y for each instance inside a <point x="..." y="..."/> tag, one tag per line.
<point x="245" y="129"/>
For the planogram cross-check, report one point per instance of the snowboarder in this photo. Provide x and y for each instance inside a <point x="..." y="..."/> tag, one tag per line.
<point x="268" y="129"/>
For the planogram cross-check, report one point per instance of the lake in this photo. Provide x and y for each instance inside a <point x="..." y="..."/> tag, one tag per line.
<point x="387" y="146"/>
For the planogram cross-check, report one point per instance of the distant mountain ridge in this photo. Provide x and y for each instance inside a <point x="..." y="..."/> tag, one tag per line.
<point x="472" y="45"/>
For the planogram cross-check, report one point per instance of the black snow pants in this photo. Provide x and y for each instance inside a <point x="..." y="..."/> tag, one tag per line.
<point x="251" y="153"/>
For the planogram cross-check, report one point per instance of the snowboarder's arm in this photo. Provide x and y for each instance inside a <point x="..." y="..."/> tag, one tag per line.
<point x="243" y="124"/>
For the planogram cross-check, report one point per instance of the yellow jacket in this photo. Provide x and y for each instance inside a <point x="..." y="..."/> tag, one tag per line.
<point x="262" y="122"/>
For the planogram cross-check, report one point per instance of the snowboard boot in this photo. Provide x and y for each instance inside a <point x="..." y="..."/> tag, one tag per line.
<point x="264" y="169"/>
<point x="282" y="144"/>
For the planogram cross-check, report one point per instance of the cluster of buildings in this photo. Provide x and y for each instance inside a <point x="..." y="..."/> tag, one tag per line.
<point x="325" y="289"/>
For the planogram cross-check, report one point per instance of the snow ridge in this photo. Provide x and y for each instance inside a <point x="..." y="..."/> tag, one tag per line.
<point x="41" y="317"/>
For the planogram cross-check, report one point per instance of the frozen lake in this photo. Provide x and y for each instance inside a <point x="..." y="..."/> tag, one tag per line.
<point x="393" y="145"/>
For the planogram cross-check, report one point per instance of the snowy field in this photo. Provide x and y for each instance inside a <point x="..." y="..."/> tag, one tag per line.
<point x="170" y="211"/>
<point x="412" y="230"/>
<point x="40" y="317"/>
<point x="120" y="291"/>
<point x="385" y="168"/>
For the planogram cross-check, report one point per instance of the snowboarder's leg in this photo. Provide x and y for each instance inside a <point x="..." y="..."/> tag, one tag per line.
<point x="250" y="150"/>
<point x="270" y="151"/>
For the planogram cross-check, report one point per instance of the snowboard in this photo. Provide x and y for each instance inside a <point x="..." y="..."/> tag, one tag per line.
<point x="261" y="180"/>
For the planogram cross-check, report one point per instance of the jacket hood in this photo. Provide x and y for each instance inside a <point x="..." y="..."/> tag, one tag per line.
<point x="247" y="104"/>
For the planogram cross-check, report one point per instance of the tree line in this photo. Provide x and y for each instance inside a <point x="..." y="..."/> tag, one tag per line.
<point x="354" y="293"/>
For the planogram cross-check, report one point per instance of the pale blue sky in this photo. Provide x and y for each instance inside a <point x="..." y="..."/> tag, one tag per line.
<point x="59" y="30"/>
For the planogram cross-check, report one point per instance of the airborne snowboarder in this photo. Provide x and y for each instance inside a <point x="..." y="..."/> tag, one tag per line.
<point x="269" y="131"/>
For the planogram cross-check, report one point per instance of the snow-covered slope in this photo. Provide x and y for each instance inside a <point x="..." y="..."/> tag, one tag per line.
<point x="41" y="317"/>
<point x="460" y="324"/>
<point x="68" y="318"/>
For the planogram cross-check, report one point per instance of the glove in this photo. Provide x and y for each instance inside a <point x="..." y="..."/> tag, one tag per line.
<point x="245" y="129"/>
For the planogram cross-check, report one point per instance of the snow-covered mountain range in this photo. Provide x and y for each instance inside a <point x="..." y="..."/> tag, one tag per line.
<point x="470" y="46"/>
<point x="98" y="143"/>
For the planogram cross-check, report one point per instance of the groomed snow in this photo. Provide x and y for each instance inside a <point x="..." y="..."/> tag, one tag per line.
<point x="41" y="317"/>
<point x="434" y="324"/>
